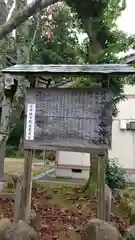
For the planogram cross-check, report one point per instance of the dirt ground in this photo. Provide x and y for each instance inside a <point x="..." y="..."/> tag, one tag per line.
<point x="62" y="211"/>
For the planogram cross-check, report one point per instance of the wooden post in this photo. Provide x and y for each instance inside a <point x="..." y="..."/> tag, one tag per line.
<point x="104" y="194"/>
<point x="27" y="183"/>
<point x="6" y="103"/>
<point x="101" y="186"/>
<point x="18" y="202"/>
<point x="108" y="203"/>
<point x="25" y="199"/>
<point x="23" y="196"/>
<point x="44" y="155"/>
<point x="101" y="211"/>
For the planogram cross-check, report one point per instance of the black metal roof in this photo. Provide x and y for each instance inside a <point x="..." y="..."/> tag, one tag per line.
<point x="113" y="69"/>
<point x="41" y="79"/>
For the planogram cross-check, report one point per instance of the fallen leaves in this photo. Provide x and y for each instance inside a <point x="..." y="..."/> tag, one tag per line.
<point x="61" y="219"/>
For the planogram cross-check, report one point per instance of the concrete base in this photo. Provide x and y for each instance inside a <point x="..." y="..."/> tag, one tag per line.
<point x="72" y="173"/>
<point x="2" y="185"/>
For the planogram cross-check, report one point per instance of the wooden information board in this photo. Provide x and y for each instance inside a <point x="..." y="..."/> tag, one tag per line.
<point x="68" y="119"/>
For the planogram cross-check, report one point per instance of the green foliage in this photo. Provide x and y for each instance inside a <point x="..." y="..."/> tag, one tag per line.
<point x="62" y="48"/>
<point x="16" y="134"/>
<point x="13" y="152"/>
<point x="118" y="42"/>
<point x="104" y="41"/>
<point x="129" y="236"/>
<point x="60" y="44"/>
<point x="49" y="155"/>
<point x="88" y="8"/>
<point x="97" y="18"/>
<point x="115" y="174"/>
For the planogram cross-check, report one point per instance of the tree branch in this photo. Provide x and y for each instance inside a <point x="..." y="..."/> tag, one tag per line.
<point x="23" y="14"/>
<point x="33" y="39"/>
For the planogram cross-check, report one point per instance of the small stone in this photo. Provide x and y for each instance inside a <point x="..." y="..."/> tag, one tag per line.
<point x="32" y="218"/>
<point x="19" y="231"/>
<point x="5" y="224"/>
<point x="98" y="229"/>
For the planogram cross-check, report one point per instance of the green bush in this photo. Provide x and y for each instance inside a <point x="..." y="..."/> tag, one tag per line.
<point x="115" y="174"/>
<point x="12" y="151"/>
<point x="50" y="155"/>
<point x="129" y="236"/>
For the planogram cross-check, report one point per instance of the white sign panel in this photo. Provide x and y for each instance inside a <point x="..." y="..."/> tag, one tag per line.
<point x="30" y="122"/>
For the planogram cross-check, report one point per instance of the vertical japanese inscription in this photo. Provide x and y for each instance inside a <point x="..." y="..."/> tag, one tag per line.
<point x="30" y="122"/>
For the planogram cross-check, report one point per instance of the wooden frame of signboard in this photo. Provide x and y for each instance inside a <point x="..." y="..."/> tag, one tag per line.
<point x="86" y="127"/>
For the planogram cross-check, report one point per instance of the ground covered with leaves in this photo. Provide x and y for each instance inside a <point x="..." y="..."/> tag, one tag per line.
<point x="61" y="210"/>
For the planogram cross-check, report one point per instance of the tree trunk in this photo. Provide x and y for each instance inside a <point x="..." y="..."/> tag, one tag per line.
<point x="101" y="186"/>
<point x="21" y="144"/>
<point x="91" y="185"/>
<point x="95" y="50"/>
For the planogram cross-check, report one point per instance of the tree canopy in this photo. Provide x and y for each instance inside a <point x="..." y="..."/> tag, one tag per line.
<point x="56" y="41"/>
<point x="105" y="41"/>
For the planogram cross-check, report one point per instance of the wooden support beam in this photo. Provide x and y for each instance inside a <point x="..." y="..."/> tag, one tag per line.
<point x="101" y="186"/>
<point x="6" y="103"/>
<point x="18" y="200"/>
<point x="108" y="203"/>
<point x="23" y="196"/>
<point x="102" y="158"/>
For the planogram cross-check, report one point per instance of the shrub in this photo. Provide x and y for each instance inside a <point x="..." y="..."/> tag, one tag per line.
<point x="129" y="236"/>
<point x="50" y="155"/>
<point x="115" y="174"/>
<point x="12" y="151"/>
